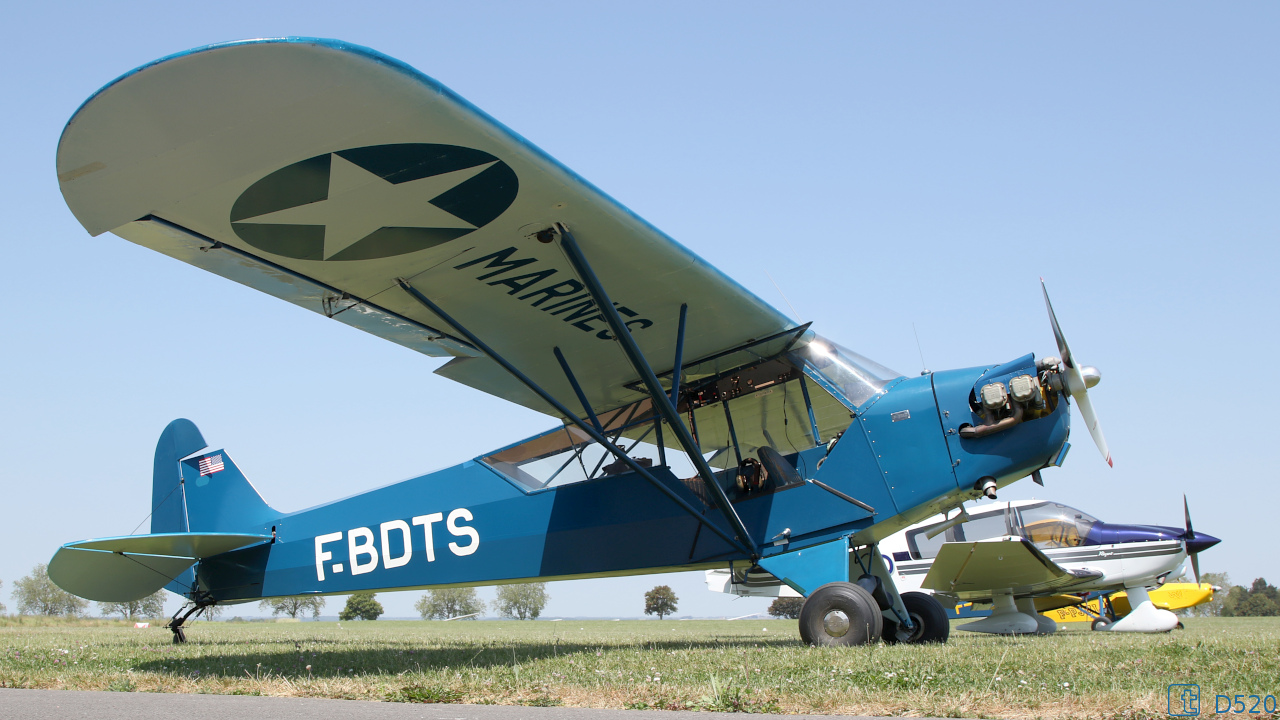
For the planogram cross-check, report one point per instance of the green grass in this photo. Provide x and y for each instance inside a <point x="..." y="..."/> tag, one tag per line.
<point x="752" y="666"/>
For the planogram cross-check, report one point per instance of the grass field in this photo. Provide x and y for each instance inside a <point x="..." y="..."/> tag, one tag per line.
<point x="751" y="666"/>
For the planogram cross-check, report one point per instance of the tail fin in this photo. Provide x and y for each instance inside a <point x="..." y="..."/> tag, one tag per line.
<point x="201" y="507"/>
<point x="203" y="492"/>
<point x="168" y="503"/>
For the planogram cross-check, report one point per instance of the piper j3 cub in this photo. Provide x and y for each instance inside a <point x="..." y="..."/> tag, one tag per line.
<point x="348" y="183"/>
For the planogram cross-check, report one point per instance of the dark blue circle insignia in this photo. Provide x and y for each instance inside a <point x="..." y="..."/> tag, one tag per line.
<point x="374" y="202"/>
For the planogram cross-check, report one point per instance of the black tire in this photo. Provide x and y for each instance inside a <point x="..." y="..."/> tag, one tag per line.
<point x="929" y="617"/>
<point x="1098" y="624"/>
<point x="840" y="614"/>
<point x="1179" y="626"/>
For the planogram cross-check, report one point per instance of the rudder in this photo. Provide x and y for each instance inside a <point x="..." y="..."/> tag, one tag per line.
<point x="168" y="502"/>
<point x="202" y="492"/>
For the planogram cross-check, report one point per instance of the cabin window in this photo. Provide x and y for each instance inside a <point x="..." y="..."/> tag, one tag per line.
<point x="855" y="377"/>
<point x="735" y="405"/>
<point x="980" y="526"/>
<point x="566" y="454"/>
<point x="923" y="547"/>
<point x="1045" y="524"/>
<point x="1053" y="525"/>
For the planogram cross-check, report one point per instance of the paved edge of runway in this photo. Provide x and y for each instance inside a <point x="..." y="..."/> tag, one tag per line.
<point x="97" y="705"/>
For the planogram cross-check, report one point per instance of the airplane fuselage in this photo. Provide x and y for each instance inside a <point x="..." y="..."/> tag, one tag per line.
<point x="471" y="524"/>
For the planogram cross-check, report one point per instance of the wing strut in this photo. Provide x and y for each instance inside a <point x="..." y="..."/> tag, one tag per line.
<point x="678" y="368"/>
<point x="571" y="416"/>
<point x="577" y="389"/>
<point x="659" y="396"/>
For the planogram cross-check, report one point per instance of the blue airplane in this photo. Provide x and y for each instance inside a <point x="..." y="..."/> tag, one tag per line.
<point x="696" y="426"/>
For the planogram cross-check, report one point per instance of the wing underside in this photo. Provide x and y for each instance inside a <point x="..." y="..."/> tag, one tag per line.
<point x="976" y="570"/>
<point x="324" y="174"/>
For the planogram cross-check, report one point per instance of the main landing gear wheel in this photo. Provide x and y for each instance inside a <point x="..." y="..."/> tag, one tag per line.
<point x="929" y="617"/>
<point x="840" y="614"/>
<point x="1099" y="624"/>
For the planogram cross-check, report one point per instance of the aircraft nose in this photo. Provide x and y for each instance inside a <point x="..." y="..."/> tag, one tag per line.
<point x="1201" y="542"/>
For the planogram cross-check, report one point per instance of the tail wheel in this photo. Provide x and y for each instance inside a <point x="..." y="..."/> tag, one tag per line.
<point x="840" y="614"/>
<point x="928" y="616"/>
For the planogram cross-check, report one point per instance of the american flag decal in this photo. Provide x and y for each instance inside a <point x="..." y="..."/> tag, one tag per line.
<point x="211" y="464"/>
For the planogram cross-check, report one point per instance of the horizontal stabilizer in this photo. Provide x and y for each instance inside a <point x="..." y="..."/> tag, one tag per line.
<point x="973" y="570"/>
<point x="189" y="545"/>
<point x="122" y="569"/>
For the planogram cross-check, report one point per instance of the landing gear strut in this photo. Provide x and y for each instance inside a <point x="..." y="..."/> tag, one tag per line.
<point x="194" y="607"/>
<point x="841" y="613"/>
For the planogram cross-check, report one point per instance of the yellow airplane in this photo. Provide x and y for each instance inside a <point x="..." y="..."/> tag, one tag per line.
<point x="1169" y="596"/>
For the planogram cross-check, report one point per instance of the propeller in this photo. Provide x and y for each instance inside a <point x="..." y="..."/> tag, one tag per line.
<point x="1190" y="535"/>
<point x="1075" y="380"/>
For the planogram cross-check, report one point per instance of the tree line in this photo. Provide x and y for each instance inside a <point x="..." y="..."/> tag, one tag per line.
<point x="36" y="594"/>
<point x="518" y="602"/>
<point x="1260" y="599"/>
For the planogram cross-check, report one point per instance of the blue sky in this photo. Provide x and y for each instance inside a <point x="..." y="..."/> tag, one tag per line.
<point x="890" y="166"/>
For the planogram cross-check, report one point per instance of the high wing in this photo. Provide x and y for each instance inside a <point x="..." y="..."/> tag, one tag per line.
<point x="973" y="570"/>
<point x="323" y="173"/>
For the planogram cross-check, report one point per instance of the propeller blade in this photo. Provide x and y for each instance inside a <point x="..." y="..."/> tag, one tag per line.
<point x="1091" y="421"/>
<point x="1195" y="566"/>
<point x="1063" y="350"/>
<point x="1075" y="383"/>
<point x="1186" y="509"/>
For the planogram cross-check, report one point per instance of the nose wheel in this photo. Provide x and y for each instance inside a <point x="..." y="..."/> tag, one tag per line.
<point x="840" y="614"/>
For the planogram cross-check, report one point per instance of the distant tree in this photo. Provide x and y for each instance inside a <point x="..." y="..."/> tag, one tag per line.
<point x="293" y="606"/>
<point x="361" y="606"/>
<point x="786" y="607"/>
<point x="1265" y="589"/>
<point x="1213" y="608"/>
<point x="521" y="602"/>
<point x="37" y="595"/>
<point x="445" y="603"/>
<point x="1260" y="600"/>
<point x="3" y="610"/>
<point x="660" y="601"/>
<point x="151" y="606"/>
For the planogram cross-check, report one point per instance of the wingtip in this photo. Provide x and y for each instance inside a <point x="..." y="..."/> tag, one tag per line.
<point x="1109" y="463"/>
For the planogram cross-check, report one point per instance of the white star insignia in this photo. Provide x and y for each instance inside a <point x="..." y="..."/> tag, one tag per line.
<point x="360" y="203"/>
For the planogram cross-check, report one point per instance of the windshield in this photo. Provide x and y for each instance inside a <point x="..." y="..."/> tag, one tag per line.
<point x="1053" y="525"/>
<point x="853" y="375"/>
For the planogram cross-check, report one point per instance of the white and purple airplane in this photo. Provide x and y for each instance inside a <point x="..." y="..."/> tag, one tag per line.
<point x="1008" y="554"/>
